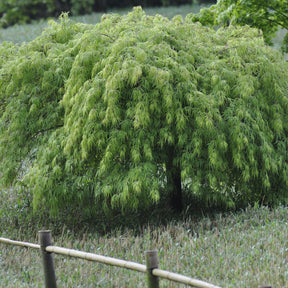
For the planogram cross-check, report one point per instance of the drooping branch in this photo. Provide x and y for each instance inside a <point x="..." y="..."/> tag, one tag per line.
<point x="35" y="135"/>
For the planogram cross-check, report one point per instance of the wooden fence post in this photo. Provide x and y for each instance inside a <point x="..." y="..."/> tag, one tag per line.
<point x="47" y="258"/>
<point x="152" y="263"/>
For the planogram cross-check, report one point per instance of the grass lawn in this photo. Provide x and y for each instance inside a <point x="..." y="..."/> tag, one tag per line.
<point x="243" y="249"/>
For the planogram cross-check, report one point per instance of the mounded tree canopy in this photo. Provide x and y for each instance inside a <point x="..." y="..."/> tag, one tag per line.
<point x="117" y="112"/>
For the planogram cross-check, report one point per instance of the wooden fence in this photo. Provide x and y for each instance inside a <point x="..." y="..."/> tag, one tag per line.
<point x="151" y="268"/>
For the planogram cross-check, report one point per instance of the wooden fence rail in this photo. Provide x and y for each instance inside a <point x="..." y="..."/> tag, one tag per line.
<point x="151" y="267"/>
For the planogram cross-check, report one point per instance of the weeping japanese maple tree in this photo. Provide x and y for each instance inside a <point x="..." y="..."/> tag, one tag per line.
<point x="139" y="107"/>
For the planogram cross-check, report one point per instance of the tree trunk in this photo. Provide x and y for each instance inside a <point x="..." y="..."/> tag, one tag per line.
<point x="173" y="174"/>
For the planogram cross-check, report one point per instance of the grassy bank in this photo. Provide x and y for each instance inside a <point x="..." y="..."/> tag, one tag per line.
<point x="242" y="249"/>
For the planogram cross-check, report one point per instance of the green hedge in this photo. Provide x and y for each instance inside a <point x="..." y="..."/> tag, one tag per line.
<point x="13" y="11"/>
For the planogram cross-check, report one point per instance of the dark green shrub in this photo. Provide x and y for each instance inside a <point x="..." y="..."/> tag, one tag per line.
<point x="82" y="7"/>
<point x="12" y="11"/>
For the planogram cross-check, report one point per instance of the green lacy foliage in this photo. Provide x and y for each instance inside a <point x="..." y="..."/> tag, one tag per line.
<point x="88" y="114"/>
<point x="267" y="16"/>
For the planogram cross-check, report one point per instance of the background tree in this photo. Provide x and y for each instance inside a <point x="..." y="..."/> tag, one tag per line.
<point x="268" y="16"/>
<point x="135" y="108"/>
